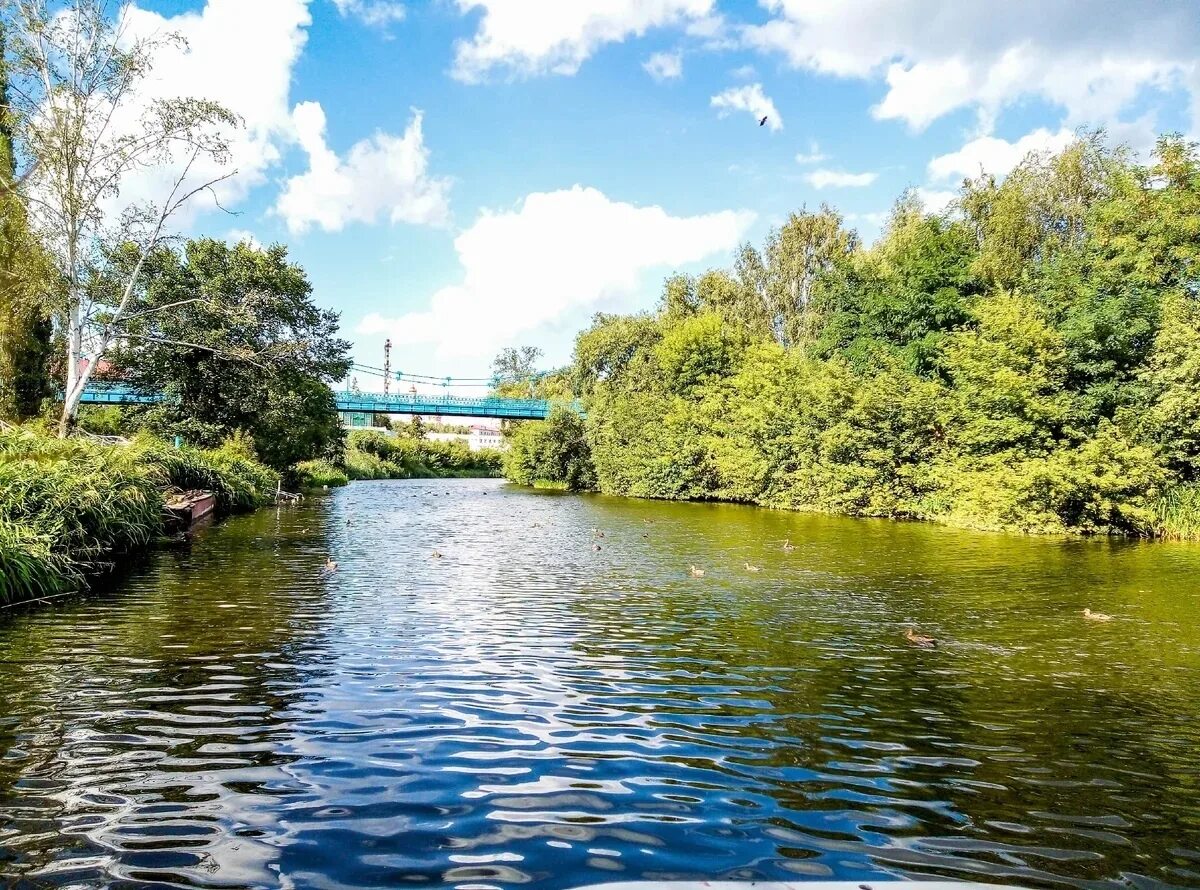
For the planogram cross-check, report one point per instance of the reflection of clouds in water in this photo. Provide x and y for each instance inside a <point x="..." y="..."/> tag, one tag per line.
<point x="527" y="709"/>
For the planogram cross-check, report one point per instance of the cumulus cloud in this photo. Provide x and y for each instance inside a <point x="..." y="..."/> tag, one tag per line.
<point x="936" y="200"/>
<point x="664" y="66"/>
<point x="1091" y="57"/>
<point x="554" y="253"/>
<point x="749" y="98"/>
<point x="530" y="37"/>
<point x="989" y="154"/>
<point x="384" y="176"/>
<point x="376" y="13"/>
<point x="813" y="156"/>
<point x="240" y="55"/>
<point x="821" y="179"/>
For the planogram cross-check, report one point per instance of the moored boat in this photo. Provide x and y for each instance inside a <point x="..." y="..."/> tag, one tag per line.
<point x="186" y="509"/>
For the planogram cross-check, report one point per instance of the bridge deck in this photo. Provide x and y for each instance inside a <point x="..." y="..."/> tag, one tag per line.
<point x="375" y="403"/>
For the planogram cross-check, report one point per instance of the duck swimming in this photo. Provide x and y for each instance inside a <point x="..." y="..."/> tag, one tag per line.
<point x="788" y="546"/>
<point x="330" y="566"/>
<point x="750" y="568"/>
<point x="1096" y="616"/>
<point x="919" y="639"/>
<point x="695" y="572"/>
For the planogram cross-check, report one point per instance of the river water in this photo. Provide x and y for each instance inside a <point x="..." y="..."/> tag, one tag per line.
<point x="529" y="710"/>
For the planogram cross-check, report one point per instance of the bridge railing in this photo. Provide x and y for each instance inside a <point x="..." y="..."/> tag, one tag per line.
<point x="114" y="393"/>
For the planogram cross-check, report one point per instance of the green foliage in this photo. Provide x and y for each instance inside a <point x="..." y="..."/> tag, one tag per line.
<point x="70" y="508"/>
<point x="242" y="346"/>
<point x="550" y="451"/>
<point x="373" y="455"/>
<point x="27" y="286"/>
<point x="1030" y="361"/>
<point x="320" y="473"/>
<point x="1177" y="512"/>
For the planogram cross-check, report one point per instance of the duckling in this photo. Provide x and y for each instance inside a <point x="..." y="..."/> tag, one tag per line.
<point x="596" y="533"/>
<point x="596" y="547"/>
<point x="695" y="572"/>
<point x="435" y="555"/>
<point x="1096" y="616"/>
<point x="330" y="566"/>
<point x="750" y="568"/>
<point x="920" y="640"/>
<point x="788" y="547"/>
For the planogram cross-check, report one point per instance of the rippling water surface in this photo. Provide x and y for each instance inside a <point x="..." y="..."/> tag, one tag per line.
<point x="528" y="709"/>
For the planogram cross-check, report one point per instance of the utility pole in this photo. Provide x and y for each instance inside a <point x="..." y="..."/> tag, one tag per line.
<point x="387" y="365"/>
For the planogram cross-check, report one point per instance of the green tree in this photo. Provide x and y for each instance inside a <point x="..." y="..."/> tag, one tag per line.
<point x="242" y="346"/>
<point x="551" y="450"/>
<point x="516" y="369"/>
<point x="26" y="284"/>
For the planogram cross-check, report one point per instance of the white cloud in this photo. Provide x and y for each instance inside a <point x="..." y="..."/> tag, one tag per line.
<point x="383" y="176"/>
<point x="664" y="66"/>
<point x="820" y="179"/>
<point x="749" y="98"/>
<point x="744" y="72"/>
<point x="1091" y="57"/>
<point x="814" y="155"/>
<point x="530" y="37"/>
<point x="989" y="154"/>
<point x="555" y="253"/>
<point x="376" y="13"/>
<point x="241" y="55"/>
<point x="242" y="236"/>
<point x="936" y="200"/>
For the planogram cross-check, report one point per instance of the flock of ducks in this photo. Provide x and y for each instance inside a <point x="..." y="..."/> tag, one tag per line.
<point x="911" y="635"/>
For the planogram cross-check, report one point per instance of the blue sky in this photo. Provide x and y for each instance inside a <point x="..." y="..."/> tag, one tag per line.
<point x="463" y="175"/>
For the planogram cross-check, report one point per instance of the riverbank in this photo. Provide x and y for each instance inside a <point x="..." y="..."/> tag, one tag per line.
<point x="1087" y="492"/>
<point x="72" y="509"/>
<point x="373" y="455"/>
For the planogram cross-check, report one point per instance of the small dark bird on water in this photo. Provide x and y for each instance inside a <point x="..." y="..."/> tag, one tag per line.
<point x="920" y="640"/>
<point x="762" y="120"/>
<point x="435" y="555"/>
<point x="595" y="546"/>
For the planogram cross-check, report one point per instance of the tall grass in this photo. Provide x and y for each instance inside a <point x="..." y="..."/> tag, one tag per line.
<point x="317" y="473"/>
<point x="1178" y="513"/>
<point x="69" y="509"/>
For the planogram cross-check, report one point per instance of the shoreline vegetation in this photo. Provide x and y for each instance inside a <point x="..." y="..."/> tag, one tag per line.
<point x="72" y="509"/>
<point x="1027" y="360"/>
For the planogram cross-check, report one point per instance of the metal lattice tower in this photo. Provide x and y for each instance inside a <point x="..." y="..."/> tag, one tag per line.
<point x="387" y="364"/>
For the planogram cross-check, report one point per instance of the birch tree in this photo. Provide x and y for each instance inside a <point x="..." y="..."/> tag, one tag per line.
<point x="86" y="125"/>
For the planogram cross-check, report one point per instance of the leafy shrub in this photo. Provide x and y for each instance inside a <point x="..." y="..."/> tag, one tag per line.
<point x="372" y="455"/>
<point x="318" y="473"/>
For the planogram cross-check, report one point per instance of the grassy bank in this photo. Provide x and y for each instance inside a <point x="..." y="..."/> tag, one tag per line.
<point x="372" y="455"/>
<point x="71" y="509"/>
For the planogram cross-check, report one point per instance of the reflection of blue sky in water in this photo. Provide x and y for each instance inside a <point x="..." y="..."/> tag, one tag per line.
<point x="527" y="709"/>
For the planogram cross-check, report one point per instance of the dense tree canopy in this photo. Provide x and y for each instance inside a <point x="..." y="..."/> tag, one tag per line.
<point x="1028" y="359"/>
<point x="232" y="335"/>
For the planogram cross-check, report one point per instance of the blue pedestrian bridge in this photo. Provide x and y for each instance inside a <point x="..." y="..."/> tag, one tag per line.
<point x="365" y="402"/>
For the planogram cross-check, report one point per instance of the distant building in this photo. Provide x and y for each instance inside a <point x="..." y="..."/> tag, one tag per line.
<point x="482" y="437"/>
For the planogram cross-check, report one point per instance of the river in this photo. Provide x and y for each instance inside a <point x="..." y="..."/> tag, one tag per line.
<point x="529" y="710"/>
